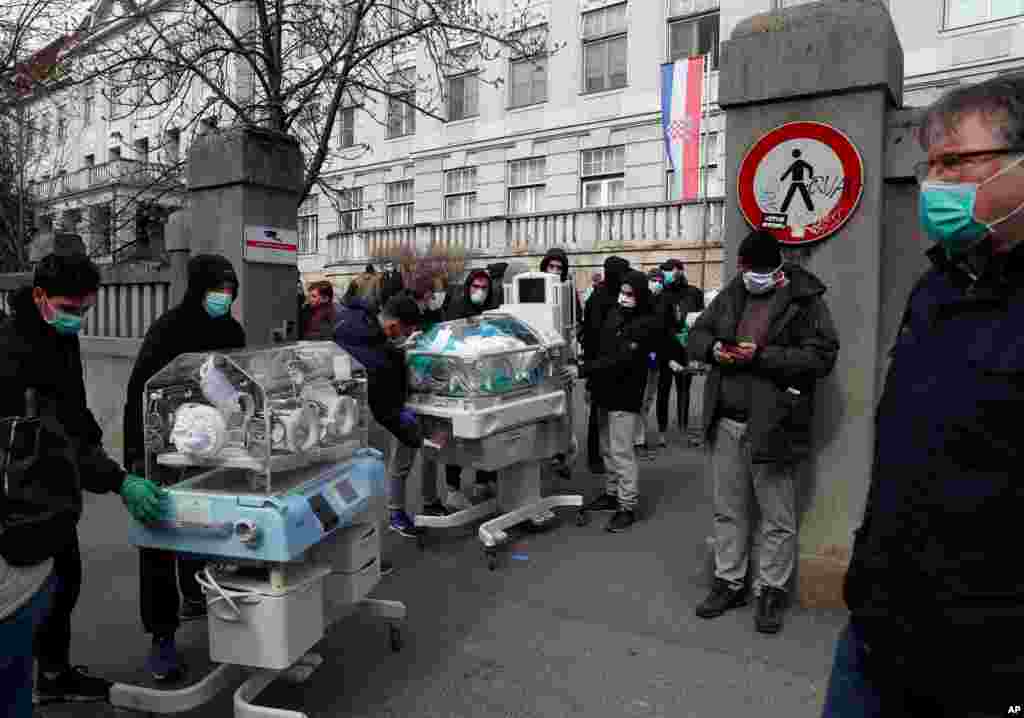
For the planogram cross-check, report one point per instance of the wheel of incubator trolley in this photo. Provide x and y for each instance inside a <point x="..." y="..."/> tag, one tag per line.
<point x="421" y="541"/>
<point x="492" y="558"/>
<point x="395" y="636"/>
<point x="582" y="518"/>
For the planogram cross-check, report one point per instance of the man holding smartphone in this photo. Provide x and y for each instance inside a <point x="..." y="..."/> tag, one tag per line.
<point x="769" y="337"/>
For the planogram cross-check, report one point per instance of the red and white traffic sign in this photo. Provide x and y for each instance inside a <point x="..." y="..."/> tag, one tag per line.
<point x="801" y="181"/>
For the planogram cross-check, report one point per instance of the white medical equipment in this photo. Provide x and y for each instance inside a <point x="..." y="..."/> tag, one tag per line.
<point x="265" y="459"/>
<point x="498" y="387"/>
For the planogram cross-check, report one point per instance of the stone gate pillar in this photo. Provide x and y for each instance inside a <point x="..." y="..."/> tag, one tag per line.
<point x="244" y="186"/>
<point x="840" y="63"/>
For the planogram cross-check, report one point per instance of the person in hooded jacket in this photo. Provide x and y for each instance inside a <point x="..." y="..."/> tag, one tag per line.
<point x="497" y="272"/>
<point x="374" y="338"/>
<point x="475" y="298"/>
<point x="604" y="298"/>
<point x="656" y="284"/>
<point x="618" y="378"/>
<point x="678" y="299"/>
<point x="202" y="322"/>
<point x="769" y="337"/>
<point x="391" y="283"/>
<point x="41" y="375"/>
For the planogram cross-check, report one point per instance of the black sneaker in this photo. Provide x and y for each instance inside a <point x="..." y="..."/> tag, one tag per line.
<point x="193" y="610"/>
<point x="435" y="508"/>
<point x="598" y="469"/>
<point x="721" y="599"/>
<point x="164" y="662"/>
<point x="770" y="606"/>
<point x="386" y="567"/>
<point x="72" y="685"/>
<point x="605" y="503"/>
<point x="622" y="520"/>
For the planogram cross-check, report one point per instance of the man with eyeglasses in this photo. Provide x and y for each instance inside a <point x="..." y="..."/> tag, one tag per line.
<point x="934" y="587"/>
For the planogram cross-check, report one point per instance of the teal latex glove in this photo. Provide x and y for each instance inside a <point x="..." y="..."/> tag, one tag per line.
<point x="144" y="499"/>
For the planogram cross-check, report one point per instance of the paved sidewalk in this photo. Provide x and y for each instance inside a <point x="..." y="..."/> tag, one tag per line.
<point x="590" y="624"/>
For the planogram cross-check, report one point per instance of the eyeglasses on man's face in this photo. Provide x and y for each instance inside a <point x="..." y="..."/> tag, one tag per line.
<point x="960" y="165"/>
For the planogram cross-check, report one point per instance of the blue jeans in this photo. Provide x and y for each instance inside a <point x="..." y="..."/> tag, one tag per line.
<point x="855" y="689"/>
<point x="16" y="637"/>
<point x="851" y="692"/>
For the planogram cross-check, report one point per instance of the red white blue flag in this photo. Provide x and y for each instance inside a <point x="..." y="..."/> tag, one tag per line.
<point x="682" y="85"/>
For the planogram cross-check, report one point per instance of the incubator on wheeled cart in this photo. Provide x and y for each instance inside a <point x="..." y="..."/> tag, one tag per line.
<point x="499" y="392"/>
<point x="264" y="456"/>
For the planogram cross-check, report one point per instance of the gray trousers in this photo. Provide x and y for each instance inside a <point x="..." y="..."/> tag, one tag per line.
<point x="617" y="431"/>
<point x="737" y="484"/>
<point x="400" y="464"/>
<point x="650" y="394"/>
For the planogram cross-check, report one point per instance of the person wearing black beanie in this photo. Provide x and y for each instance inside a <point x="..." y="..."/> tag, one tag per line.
<point x="769" y="338"/>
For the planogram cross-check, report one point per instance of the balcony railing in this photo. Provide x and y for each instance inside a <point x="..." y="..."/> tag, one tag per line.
<point x="573" y="230"/>
<point x="127" y="172"/>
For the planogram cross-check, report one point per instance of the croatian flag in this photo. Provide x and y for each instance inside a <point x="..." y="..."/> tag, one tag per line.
<point x="682" y="84"/>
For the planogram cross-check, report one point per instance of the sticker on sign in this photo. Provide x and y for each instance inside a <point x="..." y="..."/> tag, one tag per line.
<point x="271" y="245"/>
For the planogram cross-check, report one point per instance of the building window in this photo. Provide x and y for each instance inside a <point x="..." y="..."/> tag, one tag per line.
<point x="603" y="176"/>
<point x="460" y="193"/>
<point x="526" y="185"/>
<point x="308" y="225"/>
<point x="528" y="81"/>
<point x="89" y="160"/>
<point x="346" y="127"/>
<point x="172" y="146"/>
<point x="693" y="37"/>
<point x="399" y="201"/>
<point x="142" y="150"/>
<point x="463" y="97"/>
<point x="88" y="104"/>
<point x="401" y="110"/>
<point x="350" y="209"/>
<point x="959" y="13"/>
<point x="604" y="49"/>
<point x="62" y="124"/>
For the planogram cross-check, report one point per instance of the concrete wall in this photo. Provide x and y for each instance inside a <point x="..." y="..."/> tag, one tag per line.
<point x="782" y="67"/>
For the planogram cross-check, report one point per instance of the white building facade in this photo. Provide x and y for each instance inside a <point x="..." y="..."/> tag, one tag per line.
<point x="567" y="150"/>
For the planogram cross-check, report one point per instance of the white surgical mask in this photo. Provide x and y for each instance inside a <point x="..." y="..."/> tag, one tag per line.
<point x="757" y="283"/>
<point x="555" y="271"/>
<point x="436" y="301"/>
<point x="478" y="296"/>
<point x="627" y="301"/>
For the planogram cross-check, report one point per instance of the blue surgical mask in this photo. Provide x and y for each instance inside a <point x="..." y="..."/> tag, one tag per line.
<point x="669" y="276"/>
<point x="218" y="304"/>
<point x="946" y="212"/>
<point x="65" y="324"/>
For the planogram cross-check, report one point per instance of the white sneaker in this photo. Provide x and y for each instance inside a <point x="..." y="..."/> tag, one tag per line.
<point x="456" y="501"/>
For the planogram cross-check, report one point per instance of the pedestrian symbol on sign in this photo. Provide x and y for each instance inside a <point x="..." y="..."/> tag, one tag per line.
<point x="797" y="170"/>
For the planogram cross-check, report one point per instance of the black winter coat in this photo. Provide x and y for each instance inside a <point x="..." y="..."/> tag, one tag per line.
<point x="601" y="302"/>
<point x="674" y="303"/>
<point x="936" y="560"/>
<point x="801" y="348"/>
<point x="33" y="355"/>
<point x="618" y="374"/>
<point x="185" y="329"/>
<point x="359" y="333"/>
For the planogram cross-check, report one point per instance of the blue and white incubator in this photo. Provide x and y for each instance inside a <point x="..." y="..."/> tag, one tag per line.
<point x="264" y="455"/>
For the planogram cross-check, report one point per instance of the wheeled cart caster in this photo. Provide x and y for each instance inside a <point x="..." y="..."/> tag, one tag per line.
<point x="421" y="541"/>
<point x="582" y="518"/>
<point x="492" y="558"/>
<point x="395" y="636"/>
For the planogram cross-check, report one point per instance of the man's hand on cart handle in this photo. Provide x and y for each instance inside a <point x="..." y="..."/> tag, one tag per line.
<point x="437" y="442"/>
<point x="675" y="366"/>
<point x="144" y="499"/>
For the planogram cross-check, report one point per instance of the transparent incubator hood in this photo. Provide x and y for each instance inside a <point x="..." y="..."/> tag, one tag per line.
<point x="253" y="421"/>
<point x="492" y="355"/>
